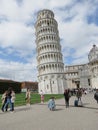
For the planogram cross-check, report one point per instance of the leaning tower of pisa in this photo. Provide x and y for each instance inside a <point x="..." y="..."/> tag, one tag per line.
<point x="49" y="57"/>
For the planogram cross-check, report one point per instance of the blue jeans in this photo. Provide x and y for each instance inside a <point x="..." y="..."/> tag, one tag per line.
<point x="8" y="102"/>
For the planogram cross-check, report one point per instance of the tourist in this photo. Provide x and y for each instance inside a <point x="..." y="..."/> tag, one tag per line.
<point x="51" y="104"/>
<point x="28" y="96"/>
<point x="79" y="94"/>
<point x="12" y="99"/>
<point x="42" y="96"/>
<point x="96" y="95"/>
<point x="8" y="96"/>
<point x="4" y="100"/>
<point x="67" y="95"/>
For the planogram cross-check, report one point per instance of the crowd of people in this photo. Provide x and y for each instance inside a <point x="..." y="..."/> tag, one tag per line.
<point x="78" y="93"/>
<point x="68" y="93"/>
<point x="8" y="98"/>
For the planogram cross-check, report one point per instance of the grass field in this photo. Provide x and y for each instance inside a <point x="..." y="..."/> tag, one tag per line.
<point x="35" y="98"/>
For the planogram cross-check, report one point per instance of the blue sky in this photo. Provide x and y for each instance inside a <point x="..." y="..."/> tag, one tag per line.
<point x="78" y="31"/>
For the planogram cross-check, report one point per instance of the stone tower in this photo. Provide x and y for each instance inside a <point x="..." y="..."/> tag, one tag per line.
<point x="49" y="57"/>
<point x="93" y="62"/>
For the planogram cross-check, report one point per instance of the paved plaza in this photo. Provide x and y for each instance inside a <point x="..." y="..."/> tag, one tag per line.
<point x="39" y="117"/>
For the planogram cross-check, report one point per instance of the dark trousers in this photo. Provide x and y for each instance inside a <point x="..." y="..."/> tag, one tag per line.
<point x="67" y="102"/>
<point x="12" y="106"/>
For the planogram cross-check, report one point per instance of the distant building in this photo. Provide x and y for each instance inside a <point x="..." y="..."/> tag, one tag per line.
<point x="33" y="86"/>
<point x="18" y="86"/>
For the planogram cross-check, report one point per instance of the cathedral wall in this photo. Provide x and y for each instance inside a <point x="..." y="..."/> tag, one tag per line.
<point x="95" y="82"/>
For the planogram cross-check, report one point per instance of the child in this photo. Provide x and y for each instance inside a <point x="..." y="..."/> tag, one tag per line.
<point x="51" y="104"/>
<point x="42" y="96"/>
<point x="12" y="99"/>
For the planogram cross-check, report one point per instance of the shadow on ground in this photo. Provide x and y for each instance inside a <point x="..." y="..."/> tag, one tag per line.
<point x="23" y="109"/>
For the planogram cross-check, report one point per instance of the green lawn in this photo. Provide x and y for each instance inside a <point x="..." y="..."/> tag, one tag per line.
<point x="35" y="98"/>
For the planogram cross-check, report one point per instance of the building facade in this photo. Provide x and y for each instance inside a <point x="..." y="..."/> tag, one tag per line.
<point x="84" y="75"/>
<point x="49" y="57"/>
<point x="78" y="76"/>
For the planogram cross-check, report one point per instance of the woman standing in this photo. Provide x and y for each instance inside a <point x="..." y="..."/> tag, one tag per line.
<point x="28" y="96"/>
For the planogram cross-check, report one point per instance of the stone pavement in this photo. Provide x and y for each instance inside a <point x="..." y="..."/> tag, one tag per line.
<point x="39" y="117"/>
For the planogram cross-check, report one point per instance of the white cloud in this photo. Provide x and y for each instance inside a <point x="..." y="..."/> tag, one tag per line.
<point x="18" y="71"/>
<point x="17" y="33"/>
<point x="18" y="36"/>
<point x="76" y="33"/>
